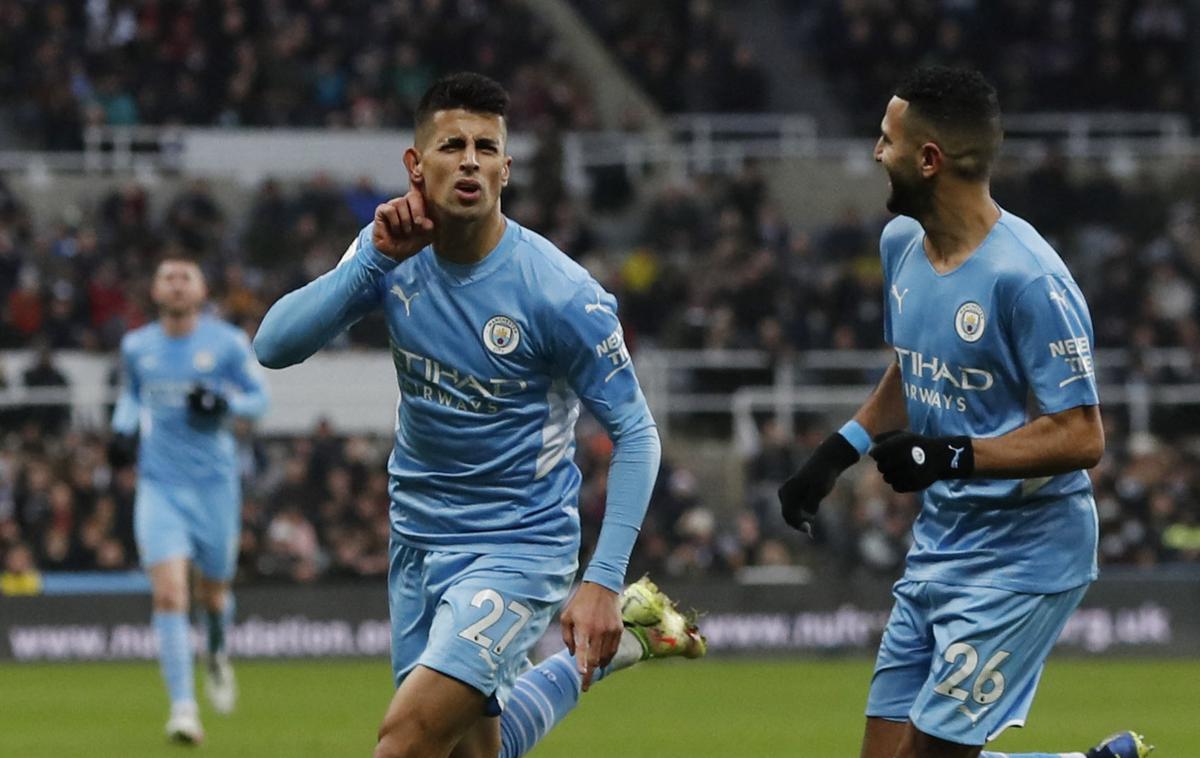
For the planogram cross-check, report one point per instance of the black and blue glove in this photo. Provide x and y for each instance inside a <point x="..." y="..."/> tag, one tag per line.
<point x="911" y="462"/>
<point x="801" y="495"/>
<point x="207" y="404"/>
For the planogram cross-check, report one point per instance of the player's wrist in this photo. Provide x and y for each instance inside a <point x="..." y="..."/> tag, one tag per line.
<point x="857" y="436"/>
<point x="837" y="452"/>
<point x="371" y="256"/>
<point x="958" y="457"/>
<point x="603" y="577"/>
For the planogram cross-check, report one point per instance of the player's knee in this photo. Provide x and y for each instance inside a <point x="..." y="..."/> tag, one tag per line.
<point x="170" y="598"/>
<point x="389" y="746"/>
<point x="409" y="735"/>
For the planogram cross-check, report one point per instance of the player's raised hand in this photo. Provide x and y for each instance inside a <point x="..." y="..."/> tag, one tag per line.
<point x="591" y="629"/>
<point x="402" y="228"/>
<point x="801" y="495"/>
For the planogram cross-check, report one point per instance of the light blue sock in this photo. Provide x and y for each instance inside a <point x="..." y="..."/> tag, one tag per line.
<point x="175" y="654"/>
<point x="218" y="623"/>
<point x="542" y="697"/>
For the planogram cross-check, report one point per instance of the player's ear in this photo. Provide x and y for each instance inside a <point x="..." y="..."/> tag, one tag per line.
<point x="932" y="159"/>
<point x="412" y="162"/>
<point x="505" y="172"/>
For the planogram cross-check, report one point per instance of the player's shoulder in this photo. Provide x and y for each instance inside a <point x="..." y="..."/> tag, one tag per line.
<point x="900" y="231"/>
<point x="142" y="338"/>
<point x="1026" y="255"/>
<point x="220" y="330"/>
<point x="898" y="235"/>
<point x="551" y="272"/>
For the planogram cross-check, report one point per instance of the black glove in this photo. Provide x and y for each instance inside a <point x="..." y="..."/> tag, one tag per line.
<point x="801" y="495"/>
<point x="206" y="404"/>
<point x="122" y="450"/>
<point x="911" y="462"/>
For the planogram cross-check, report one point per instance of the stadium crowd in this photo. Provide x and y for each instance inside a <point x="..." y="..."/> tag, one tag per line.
<point x="65" y="65"/>
<point x="682" y="53"/>
<point x="363" y="65"/>
<point x="716" y="265"/>
<point x="1118" y="55"/>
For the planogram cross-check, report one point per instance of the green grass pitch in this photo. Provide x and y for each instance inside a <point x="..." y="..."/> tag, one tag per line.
<point x="717" y="709"/>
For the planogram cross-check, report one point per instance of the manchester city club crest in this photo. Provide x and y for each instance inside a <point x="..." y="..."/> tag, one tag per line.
<point x="500" y="335"/>
<point x="969" y="322"/>
<point x="203" y="360"/>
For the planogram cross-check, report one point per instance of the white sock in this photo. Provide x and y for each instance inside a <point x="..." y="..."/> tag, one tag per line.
<point x="629" y="652"/>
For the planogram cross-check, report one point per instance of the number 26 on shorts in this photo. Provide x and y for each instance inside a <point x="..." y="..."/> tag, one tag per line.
<point x="989" y="684"/>
<point x="475" y="632"/>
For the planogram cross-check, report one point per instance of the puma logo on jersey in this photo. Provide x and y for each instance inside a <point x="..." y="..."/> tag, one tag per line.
<point x="406" y="299"/>
<point x="598" y="306"/>
<point x="957" y="452"/>
<point x="896" y="293"/>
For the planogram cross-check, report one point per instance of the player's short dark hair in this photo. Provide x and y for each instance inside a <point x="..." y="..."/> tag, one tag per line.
<point x="961" y="107"/>
<point x="467" y="90"/>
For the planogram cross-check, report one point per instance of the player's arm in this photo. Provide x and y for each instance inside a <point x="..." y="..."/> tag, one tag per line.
<point x="303" y="321"/>
<point x="591" y="352"/>
<point x="249" y="399"/>
<point x="1052" y="340"/>
<point x="122" y="446"/>
<point x="1055" y="444"/>
<point x="884" y="410"/>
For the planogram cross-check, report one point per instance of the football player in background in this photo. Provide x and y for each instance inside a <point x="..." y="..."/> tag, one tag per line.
<point x="184" y="377"/>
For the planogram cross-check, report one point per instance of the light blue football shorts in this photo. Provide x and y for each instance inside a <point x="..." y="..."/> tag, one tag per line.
<point x="200" y="523"/>
<point x="963" y="663"/>
<point x="472" y="617"/>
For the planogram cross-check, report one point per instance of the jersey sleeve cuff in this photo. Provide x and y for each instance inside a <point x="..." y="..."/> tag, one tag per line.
<point x="605" y="577"/>
<point x="370" y="257"/>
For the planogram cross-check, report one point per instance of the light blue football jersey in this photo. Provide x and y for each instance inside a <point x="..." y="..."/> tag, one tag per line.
<point x="158" y="372"/>
<point x="492" y="361"/>
<point x="982" y="350"/>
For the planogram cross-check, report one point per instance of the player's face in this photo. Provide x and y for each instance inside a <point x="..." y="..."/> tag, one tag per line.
<point x="908" y="190"/>
<point x="459" y="162"/>
<point x="178" y="288"/>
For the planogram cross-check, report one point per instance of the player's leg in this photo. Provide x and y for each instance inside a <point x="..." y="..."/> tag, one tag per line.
<point x="901" y="668"/>
<point x="215" y="522"/>
<point x="220" y="683"/>
<point x="429" y="715"/>
<point x="489" y="611"/>
<point x="544" y="695"/>
<point x="990" y="649"/>
<point x="882" y="737"/>
<point x="164" y="548"/>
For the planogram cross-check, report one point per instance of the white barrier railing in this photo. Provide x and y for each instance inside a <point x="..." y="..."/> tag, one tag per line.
<point x="357" y="388"/>
<point x="692" y="143"/>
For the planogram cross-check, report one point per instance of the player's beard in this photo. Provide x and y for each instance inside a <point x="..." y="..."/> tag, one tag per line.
<point x="910" y="195"/>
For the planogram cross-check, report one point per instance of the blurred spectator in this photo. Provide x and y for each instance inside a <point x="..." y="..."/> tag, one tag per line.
<point x="43" y="374"/>
<point x="265" y="63"/>
<point x="1062" y="56"/>
<point x="658" y="40"/>
<point x="20" y="576"/>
